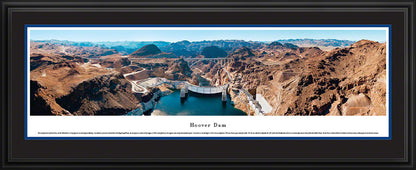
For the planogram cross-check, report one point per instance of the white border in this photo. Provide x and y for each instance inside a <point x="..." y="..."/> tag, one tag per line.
<point x="237" y="126"/>
<point x="208" y="28"/>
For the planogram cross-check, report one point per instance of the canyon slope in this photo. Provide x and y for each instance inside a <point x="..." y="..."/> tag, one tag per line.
<point x="309" y="81"/>
<point x="64" y="82"/>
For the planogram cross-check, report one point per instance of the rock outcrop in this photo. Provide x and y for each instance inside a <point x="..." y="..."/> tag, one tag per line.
<point x="147" y="105"/>
<point x="115" y="62"/>
<point x="42" y="102"/>
<point x="38" y="60"/>
<point x="178" y="70"/>
<point x="104" y="95"/>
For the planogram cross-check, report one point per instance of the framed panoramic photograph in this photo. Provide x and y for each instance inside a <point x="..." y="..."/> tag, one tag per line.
<point x="208" y="81"/>
<point x="149" y="84"/>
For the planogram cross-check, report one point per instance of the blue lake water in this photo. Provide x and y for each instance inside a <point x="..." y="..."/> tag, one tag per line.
<point x="195" y="104"/>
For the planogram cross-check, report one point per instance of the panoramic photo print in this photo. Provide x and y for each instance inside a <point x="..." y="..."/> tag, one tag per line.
<point x="207" y="71"/>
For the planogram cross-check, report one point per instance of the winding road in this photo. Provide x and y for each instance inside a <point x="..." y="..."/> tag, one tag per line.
<point x="128" y="74"/>
<point x="134" y="86"/>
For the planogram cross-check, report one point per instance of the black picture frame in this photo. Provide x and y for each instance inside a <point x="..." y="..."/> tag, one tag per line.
<point x="396" y="153"/>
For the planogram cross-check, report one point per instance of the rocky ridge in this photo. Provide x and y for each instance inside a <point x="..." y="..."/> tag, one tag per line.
<point x="344" y="81"/>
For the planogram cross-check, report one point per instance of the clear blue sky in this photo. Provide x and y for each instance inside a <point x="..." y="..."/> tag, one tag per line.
<point x="198" y="35"/>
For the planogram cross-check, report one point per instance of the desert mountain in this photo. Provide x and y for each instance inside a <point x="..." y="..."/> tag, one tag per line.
<point x="213" y="52"/>
<point x="181" y="48"/>
<point x="147" y="50"/>
<point x="290" y="45"/>
<point x="123" y="47"/>
<point x="242" y="53"/>
<point x="278" y="45"/>
<point x="326" y="44"/>
<point x="151" y="51"/>
<point x="57" y="50"/>
<point x="192" y="49"/>
<point x="275" y="45"/>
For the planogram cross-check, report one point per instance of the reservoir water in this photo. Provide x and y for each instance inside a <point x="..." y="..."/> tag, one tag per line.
<point x="195" y="104"/>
